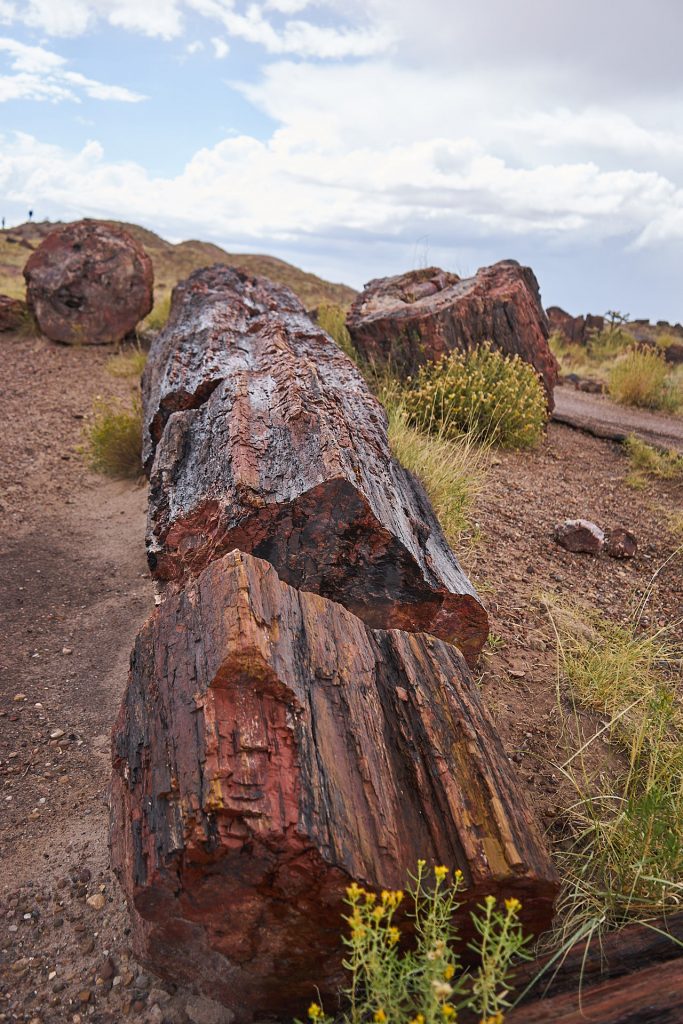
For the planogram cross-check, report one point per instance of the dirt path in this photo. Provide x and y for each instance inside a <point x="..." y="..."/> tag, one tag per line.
<point x="597" y="415"/>
<point x="75" y="591"/>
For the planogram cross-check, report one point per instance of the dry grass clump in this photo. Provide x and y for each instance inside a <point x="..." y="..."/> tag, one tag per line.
<point x="114" y="439"/>
<point x="156" y="320"/>
<point x="428" y="983"/>
<point x="451" y="469"/>
<point x="493" y="397"/>
<point x="647" y="461"/>
<point x="622" y="856"/>
<point x="642" y="378"/>
<point x="127" y="363"/>
<point x="332" y="318"/>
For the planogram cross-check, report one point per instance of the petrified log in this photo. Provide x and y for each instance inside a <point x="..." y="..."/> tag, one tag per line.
<point x="12" y="313"/>
<point x="653" y="995"/>
<point x="89" y="283"/>
<point x="260" y="434"/>
<point x="270" y="749"/>
<point x="575" y="329"/>
<point x="424" y="314"/>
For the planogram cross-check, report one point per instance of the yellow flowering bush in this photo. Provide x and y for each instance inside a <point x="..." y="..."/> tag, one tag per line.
<point x="426" y="983"/>
<point x="498" y="398"/>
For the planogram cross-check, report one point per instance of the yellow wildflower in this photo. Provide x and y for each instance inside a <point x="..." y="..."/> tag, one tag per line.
<point x="449" y="971"/>
<point x="315" y="1012"/>
<point x="380" y="1016"/>
<point x="449" y="1011"/>
<point x="512" y="905"/>
<point x="393" y="935"/>
<point x="440" y="872"/>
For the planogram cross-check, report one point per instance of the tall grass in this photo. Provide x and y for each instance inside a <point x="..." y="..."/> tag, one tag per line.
<point x="332" y="319"/>
<point x="642" y="378"/>
<point x="451" y="469"/>
<point x="156" y="320"/>
<point x="114" y="439"/>
<point x="622" y="854"/>
<point x="128" y="362"/>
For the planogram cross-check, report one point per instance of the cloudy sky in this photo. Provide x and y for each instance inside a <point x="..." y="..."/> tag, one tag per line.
<point x="359" y="138"/>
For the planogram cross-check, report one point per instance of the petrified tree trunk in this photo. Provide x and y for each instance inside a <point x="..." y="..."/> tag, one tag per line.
<point x="260" y="434"/>
<point x="270" y="749"/>
<point x="419" y="316"/>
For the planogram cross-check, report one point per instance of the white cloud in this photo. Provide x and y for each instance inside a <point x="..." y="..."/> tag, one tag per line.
<point x="41" y="75"/>
<point x="220" y="47"/>
<point x="196" y="46"/>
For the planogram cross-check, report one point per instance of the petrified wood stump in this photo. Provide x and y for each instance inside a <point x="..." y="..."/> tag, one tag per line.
<point x="260" y="434"/>
<point x="419" y="316"/>
<point x="271" y="748"/>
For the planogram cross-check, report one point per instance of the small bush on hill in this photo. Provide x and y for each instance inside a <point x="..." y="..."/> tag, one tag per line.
<point x="114" y="439"/>
<point x="332" y="319"/>
<point x="425" y="985"/>
<point x="641" y="377"/>
<point x="497" y="398"/>
<point x="451" y="470"/>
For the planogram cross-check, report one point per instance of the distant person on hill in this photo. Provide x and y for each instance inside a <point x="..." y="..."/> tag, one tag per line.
<point x="3" y="223"/>
<point x="30" y="214"/>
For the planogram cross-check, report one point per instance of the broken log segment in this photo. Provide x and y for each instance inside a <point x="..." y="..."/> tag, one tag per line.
<point x="271" y="748"/>
<point x="261" y="434"/>
<point x="417" y="317"/>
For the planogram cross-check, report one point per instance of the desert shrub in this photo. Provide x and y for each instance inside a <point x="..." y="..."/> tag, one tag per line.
<point x="114" y="439"/>
<point x="647" y="461"/>
<point x="497" y="398"/>
<point x="127" y="363"/>
<point x="332" y="319"/>
<point x="608" y="342"/>
<point x="426" y="984"/>
<point x="641" y="377"/>
<point x="622" y="854"/>
<point x="156" y="320"/>
<point x="451" y="469"/>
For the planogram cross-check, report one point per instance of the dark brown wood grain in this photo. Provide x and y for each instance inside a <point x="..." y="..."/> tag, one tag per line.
<point x="261" y="434"/>
<point x="271" y="748"/>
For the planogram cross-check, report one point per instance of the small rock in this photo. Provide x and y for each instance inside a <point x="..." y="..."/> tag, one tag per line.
<point x="96" y="901"/>
<point x="56" y="734"/>
<point x="67" y="650"/>
<point x="19" y="697"/>
<point x="205" y="1011"/>
<point x="85" y="995"/>
<point x="580" y="535"/>
<point x="621" y="543"/>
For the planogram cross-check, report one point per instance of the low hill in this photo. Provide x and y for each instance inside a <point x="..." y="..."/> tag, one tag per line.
<point x="171" y="263"/>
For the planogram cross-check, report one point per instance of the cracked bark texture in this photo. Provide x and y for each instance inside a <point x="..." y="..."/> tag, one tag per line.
<point x="420" y="316"/>
<point x="271" y="748"/>
<point x="260" y="434"/>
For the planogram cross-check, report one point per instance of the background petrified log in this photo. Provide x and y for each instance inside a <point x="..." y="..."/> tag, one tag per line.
<point x="89" y="283"/>
<point x="576" y="329"/>
<point x="12" y="313"/>
<point x="268" y="439"/>
<point x="270" y="748"/>
<point x="419" y="316"/>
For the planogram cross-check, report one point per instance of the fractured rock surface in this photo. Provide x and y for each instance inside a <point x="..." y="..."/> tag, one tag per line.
<point x="260" y="434"/>
<point x="270" y="749"/>
<point x="12" y="313"/>
<point x="422" y="315"/>
<point x="89" y="283"/>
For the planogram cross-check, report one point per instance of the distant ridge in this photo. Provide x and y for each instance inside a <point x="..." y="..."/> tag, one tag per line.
<point x="171" y="263"/>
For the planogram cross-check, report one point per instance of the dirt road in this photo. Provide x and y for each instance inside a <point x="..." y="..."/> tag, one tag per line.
<point x="599" y="416"/>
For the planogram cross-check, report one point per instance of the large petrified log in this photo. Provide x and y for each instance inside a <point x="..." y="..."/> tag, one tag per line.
<point x="419" y="316"/>
<point x="89" y="283"/>
<point x="270" y="748"/>
<point x="260" y="434"/>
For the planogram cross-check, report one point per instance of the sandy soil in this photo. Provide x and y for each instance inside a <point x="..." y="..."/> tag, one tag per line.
<point x="75" y="591"/>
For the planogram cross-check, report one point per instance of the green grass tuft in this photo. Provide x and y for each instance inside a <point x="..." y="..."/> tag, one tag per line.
<point x="114" y="439"/>
<point x="127" y="363"/>
<point x="647" y="461"/>
<point x="332" y="319"/>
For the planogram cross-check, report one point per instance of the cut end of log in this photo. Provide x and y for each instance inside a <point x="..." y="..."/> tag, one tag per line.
<point x="271" y="748"/>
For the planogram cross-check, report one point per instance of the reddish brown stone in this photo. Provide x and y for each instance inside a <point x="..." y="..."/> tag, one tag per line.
<point x="580" y="536"/>
<point x="89" y="283"/>
<point x="674" y="353"/>
<point x="12" y="313"/>
<point x="621" y="543"/>
<point x="270" y="749"/>
<point x="575" y="329"/>
<point x="420" y="316"/>
<point x="260" y="434"/>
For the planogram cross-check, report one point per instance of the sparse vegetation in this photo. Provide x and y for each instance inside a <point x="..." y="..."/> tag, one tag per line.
<point x="647" y="461"/>
<point x="332" y="318"/>
<point x="114" y="439"/>
<point x="451" y="469"/>
<point x="156" y="320"/>
<point x="641" y="377"/>
<point x="622" y="855"/>
<point x="129" y="362"/>
<point x="496" y="398"/>
<point x="427" y="984"/>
